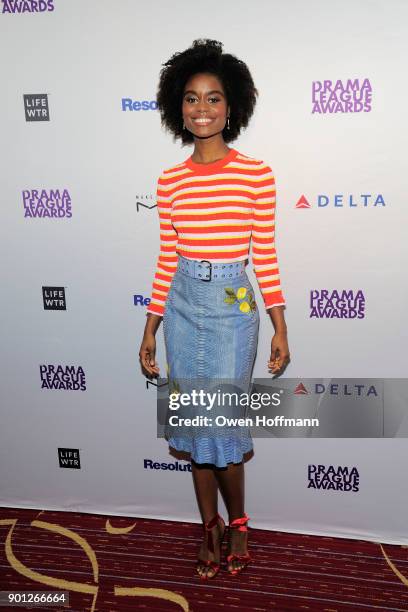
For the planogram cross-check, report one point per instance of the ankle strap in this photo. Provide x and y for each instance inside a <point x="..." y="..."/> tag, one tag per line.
<point x="212" y="523"/>
<point x="240" y="523"/>
<point x="208" y="527"/>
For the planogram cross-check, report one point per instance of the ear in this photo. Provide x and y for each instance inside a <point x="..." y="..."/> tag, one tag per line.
<point x="228" y="111"/>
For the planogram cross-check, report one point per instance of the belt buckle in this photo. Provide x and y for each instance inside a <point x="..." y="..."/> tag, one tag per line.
<point x="209" y="262"/>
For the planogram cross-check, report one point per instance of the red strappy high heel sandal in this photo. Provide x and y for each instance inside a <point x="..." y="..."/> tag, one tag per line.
<point x="210" y="545"/>
<point x="241" y="525"/>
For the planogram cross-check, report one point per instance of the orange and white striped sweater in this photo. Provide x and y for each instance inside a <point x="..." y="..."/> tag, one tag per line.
<point x="212" y="211"/>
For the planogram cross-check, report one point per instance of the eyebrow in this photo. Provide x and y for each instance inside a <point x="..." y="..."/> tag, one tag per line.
<point x="210" y="92"/>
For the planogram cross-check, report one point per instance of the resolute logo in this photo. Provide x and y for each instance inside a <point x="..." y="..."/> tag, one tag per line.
<point x="351" y="96"/>
<point x="174" y="466"/>
<point x="137" y="105"/>
<point x="340" y="200"/>
<point x="27" y="6"/>
<point x="36" y="107"/>
<point x="54" y="298"/>
<point x="333" y="478"/>
<point x="140" y="300"/>
<point x="69" y="458"/>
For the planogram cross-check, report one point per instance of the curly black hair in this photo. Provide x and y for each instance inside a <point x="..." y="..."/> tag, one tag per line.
<point x="205" y="55"/>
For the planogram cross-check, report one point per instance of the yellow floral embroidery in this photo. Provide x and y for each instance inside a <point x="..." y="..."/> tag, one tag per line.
<point x="246" y="306"/>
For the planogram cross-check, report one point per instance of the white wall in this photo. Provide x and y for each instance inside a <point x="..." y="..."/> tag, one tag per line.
<point x="87" y="56"/>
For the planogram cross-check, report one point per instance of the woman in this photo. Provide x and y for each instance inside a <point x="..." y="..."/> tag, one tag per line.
<point x="210" y="207"/>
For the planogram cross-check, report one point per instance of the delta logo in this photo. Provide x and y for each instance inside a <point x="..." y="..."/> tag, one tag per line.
<point x="348" y="389"/>
<point x="300" y="389"/>
<point x="340" y="200"/>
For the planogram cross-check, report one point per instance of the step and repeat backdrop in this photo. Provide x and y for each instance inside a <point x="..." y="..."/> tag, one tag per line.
<point x="82" y="148"/>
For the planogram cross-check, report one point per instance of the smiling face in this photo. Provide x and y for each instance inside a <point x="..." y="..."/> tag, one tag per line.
<point x="205" y="106"/>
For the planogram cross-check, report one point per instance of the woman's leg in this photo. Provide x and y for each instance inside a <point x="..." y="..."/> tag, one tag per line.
<point x="206" y="489"/>
<point x="231" y="482"/>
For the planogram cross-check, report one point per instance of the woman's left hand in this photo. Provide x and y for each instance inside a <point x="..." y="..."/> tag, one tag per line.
<point x="280" y="355"/>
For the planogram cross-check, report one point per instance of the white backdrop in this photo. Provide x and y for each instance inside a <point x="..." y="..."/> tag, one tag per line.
<point x="87" y="57"/>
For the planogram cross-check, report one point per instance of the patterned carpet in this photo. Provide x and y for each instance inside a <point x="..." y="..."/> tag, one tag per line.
<point x="110" y="564"/>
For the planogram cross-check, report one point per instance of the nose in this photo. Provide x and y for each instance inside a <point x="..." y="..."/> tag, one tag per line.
<point x="202" y="106"/>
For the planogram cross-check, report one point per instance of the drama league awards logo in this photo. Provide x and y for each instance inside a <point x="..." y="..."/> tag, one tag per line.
<point x="333" y="478"/>
<point x="342" y="304"/>
<point x="27" y="6"/>
<point x="47" y="203"/>
<point x="36" y="107"/>
<point x="350" y="96"/>
<point x="66" y="378"/>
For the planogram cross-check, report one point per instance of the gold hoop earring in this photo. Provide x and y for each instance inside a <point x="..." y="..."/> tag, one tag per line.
<point x="228" y="124"/>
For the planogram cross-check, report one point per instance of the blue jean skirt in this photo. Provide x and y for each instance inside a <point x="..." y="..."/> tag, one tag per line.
<point x="211" y="335"/>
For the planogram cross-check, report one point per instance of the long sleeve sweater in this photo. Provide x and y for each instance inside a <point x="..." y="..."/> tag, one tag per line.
<point x="213" y="212"/>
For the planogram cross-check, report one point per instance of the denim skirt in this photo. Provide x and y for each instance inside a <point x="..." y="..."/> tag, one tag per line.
<point x="211" y="335"/>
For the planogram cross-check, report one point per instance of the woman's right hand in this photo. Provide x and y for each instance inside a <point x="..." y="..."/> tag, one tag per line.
<point x="147" y="354"/>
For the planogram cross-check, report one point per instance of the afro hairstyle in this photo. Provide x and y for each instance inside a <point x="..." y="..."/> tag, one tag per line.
<point x="205" y="55"/>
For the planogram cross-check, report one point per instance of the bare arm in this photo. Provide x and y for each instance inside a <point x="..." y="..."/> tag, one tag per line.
<point x="280" y="355"/>
<point x="147" y="352"/>
<point x="278" y="319"/>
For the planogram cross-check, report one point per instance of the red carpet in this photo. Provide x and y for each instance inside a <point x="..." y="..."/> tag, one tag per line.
<point x="151" y="567"/>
